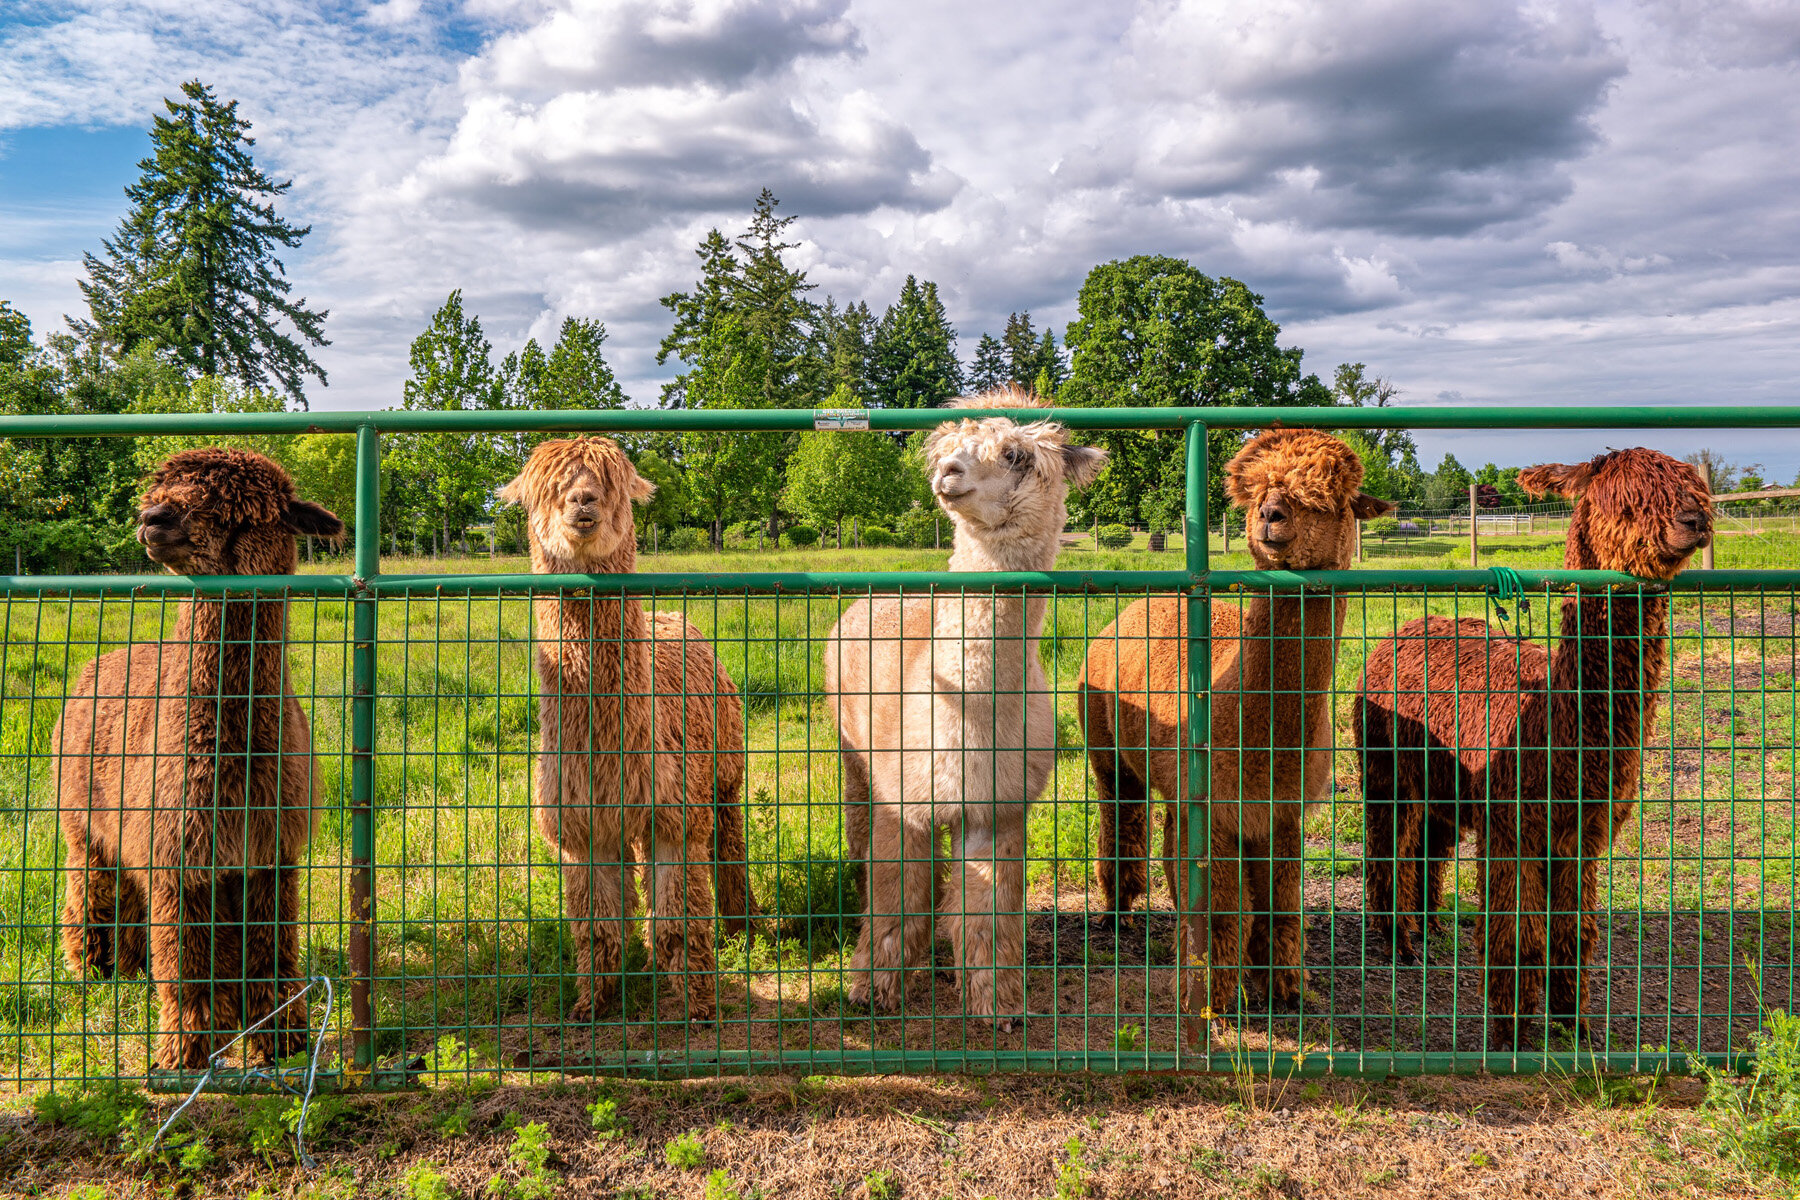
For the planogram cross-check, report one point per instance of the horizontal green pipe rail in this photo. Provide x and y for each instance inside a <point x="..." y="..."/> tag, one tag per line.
<point x="625" y="420"/>
<point x="867" y="582"/>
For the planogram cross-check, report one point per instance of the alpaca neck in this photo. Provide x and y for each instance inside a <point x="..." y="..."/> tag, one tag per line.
<point x="593" y="635"/>
<point x="1610" y="652"/>
<point x="998" y="634"/>
<point x="231" y="652"/>
<point x="1290" y="641"/>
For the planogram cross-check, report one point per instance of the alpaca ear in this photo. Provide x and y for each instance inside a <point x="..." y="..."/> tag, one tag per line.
<point x="641" y="489"/>
<point x="1366" y="507"/>
<point x="933" y="442"/>
<point x="512" y="491"/>
<point x="1082" y="464"/>
<point x="1556" y="479"/>
<point x="314" y="520"/>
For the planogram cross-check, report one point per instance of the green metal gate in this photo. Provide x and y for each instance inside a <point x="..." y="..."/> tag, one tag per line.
<point x="433" y="905"/>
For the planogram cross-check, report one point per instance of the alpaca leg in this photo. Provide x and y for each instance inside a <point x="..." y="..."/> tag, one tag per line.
<point x="859" y="815"/>
<point x="262" y="953"/>
<point x="1174" y="840"/>
<point x="179" y="941"/>
<point x="90" y="913"/>
<point x="131" y="949"/>
<point x="1386" y="823"/>
<point x="681" y="921"/>
<point x="731" y="865"/>
<point x="899" y="917"/>
<point x="1515" y="896"/>
<point x="1124" y="842"/>
<point x="1286" y="954"/>
<point x="593" y="896"/>
<point x="1574" y="930"/>
<point x="985" y="907"/>
<point x="293" y="1026"/>
<point x="1227" y="919"/>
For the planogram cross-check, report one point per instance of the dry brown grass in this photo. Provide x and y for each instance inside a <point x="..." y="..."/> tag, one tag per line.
<point x="967" y="1138"/>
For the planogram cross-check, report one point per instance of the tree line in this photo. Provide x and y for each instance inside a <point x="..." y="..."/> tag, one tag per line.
<point x="190" y="310"/>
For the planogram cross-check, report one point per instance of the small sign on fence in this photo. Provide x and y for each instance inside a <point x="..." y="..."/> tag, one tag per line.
<point x="841" y="419"/>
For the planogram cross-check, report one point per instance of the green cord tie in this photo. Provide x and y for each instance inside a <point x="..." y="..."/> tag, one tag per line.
<point x="1507" y="586"/>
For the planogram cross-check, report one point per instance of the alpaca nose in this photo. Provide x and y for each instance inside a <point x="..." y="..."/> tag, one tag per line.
<point x="1692" y="520"/>
<point x="158" y="515"/>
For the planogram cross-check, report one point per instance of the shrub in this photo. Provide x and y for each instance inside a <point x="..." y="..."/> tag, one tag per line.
<point x="1114" y="537"/>
<point x="915" y="528"/>
<point x="875" y="535"/>
<point x="742" y="535"/>
<point x="799" y="537"/>
<point x="1382" y="527"/>
<point x="688" y="540"/>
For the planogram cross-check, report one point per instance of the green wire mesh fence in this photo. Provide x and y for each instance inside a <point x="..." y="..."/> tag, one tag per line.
<point x="1359" y="923"/>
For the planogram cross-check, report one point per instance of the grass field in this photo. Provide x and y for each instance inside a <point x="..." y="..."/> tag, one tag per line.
<point x="469" y="936"/>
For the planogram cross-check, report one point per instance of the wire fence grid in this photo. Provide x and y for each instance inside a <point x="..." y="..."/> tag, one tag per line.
<point x="1070" y="933"/>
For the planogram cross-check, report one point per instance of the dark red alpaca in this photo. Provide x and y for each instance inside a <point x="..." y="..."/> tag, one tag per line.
<point x="1463" y="728"/>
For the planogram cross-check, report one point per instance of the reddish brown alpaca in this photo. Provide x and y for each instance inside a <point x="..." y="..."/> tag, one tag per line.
<point x="1454" y="712"/>
<point x="629" y="764"/>
<point x="185" y="770"/>
<point x="1271" y="714"/>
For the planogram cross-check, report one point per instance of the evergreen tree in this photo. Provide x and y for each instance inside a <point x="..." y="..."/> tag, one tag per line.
<point x="1021" y="343"/>
<point x="843" y="346"/>
<point x="915" y="364"/>
<point x="443" y="482"/>
<point x="989" y="371"/>
<point x="770" y="299"/>
<point x="192" y="266"/>
<point x="1051" y="369"/>
<point x="698" y="313"/>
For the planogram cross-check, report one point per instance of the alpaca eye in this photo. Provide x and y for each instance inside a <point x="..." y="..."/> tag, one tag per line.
<point x="1016" y="459"/>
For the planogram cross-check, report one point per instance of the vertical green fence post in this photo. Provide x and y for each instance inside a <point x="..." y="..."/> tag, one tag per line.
<point x="362" y="748"/>
<point x="1199" y="725"/>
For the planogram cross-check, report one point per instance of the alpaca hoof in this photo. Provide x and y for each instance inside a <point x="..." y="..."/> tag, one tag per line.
<point x="1108" y="922"/>
<point x="1015" y="1022"/>
<point x="1503" y="1034"/>
<point x="182" y="1053"/>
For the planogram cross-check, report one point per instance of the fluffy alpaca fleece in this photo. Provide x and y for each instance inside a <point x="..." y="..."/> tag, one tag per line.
<point x="945" y="720"/>
<point x="1271" y="714"/>
<point x="628" y="763"/>
<point x="1452" y="713"/>
<point x="185" y="771"/>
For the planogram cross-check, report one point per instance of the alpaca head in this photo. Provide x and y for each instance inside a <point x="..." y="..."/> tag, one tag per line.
<point x="577" y="495"/>
<point x="219" y="511"/>
<point x="1301" y="492"/>
<point x="1001" y="480"/>
<point x="1637" y="511"/>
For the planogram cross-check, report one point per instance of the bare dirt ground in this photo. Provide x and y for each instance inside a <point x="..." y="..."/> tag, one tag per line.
<point x="963" y="1138"/>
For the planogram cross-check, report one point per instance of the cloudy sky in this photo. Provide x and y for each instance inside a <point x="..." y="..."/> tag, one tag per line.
<point x="1485" y="202"/>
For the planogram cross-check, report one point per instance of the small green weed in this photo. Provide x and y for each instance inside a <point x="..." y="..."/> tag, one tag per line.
<point x="98" y="1113"/>
<point x="720" y="1187"/>
<point x="1480" y="1160"/>
<point x="1128" y="1038"/>
<point x="456" y="1122"/>
<point x="880" y="1185"/>
<point x="604" y="1115"/>
<point x="1757" y="1121"/>
<point x="529" y="1155"/>
<point x="685" y="1153"/>
<point x="423" y="1181"/>
<point x="1383" y="1176"/>
<point x="1071" y="1177"/>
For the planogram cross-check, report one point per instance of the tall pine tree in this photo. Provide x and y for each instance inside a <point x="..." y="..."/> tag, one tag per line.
<point x="989" y="371"/>
<point x="915" y="364"/>
<point x="192" y="267"/>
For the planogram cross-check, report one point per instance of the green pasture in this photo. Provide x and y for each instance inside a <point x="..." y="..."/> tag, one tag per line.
<point x="468" y="894"/>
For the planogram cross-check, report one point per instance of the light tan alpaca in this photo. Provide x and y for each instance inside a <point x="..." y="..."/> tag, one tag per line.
<point x="628" y="764"/>
<point x="184" y="771"/>
<point x="945" y="720"/>
<point x="1271" y="713"/>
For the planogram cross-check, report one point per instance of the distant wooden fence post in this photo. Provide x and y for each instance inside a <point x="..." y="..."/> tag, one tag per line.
<point x="1706" y="555"/>
<point x="1474" y="540"/>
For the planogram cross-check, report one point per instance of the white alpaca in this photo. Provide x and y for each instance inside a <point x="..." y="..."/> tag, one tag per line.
<point x="945" y="720"/>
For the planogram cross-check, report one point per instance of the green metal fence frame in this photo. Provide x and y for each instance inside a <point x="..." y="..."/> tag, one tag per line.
<point x="1195" y="579"/>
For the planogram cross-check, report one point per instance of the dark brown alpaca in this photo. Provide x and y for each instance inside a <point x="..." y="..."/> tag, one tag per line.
<point x="642" y="736"/>
<point x="1455" y="720"/>
<point x="185" y="770"/>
